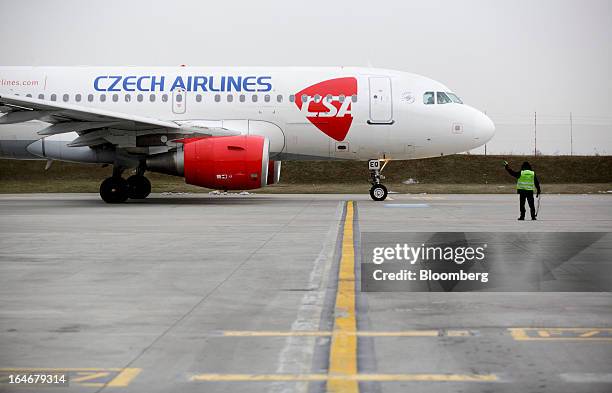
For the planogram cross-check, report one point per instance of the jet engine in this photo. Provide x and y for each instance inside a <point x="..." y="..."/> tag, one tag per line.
<point x="228" y="163"/>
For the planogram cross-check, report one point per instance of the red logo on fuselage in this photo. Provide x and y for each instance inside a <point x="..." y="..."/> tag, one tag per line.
<point x="328" y="105"/>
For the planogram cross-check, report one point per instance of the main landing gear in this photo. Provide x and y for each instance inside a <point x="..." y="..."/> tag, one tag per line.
<point x="116" y="189"/>
<point x="378" y="192"/>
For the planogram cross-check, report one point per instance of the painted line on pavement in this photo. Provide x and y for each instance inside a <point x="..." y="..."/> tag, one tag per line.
<point x="561" y="334"/>
<point x="343" y="349"/>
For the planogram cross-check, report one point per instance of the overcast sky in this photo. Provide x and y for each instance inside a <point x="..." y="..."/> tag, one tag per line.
<point x="510" y="57"/>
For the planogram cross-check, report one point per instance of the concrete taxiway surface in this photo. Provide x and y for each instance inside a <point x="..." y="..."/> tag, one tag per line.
<point x="257" y="293"/>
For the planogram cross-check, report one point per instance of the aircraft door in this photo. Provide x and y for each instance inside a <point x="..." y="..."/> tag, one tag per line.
<point x="381" y="105"/>
<point x="179" y="101"/>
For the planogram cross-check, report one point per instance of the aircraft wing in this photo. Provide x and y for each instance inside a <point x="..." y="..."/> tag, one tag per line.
<point x="81" y="119"/>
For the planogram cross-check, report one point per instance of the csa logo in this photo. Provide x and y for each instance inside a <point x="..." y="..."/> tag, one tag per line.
<point x="328" y="105"/>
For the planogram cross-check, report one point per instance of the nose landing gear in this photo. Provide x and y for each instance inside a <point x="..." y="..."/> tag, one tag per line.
<point x="378" y="192"/>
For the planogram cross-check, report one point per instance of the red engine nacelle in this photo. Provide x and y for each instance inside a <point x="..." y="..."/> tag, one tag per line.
<point x="227" y="163"/>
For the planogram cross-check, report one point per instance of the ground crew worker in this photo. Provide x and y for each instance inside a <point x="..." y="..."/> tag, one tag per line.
<point x="526" y="182"/>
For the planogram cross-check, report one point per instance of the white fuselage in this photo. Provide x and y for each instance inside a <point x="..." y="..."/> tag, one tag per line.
<point x="307" y="112"/>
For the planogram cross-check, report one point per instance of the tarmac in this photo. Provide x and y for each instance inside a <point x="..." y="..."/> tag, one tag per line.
<point x="260" y="293"/>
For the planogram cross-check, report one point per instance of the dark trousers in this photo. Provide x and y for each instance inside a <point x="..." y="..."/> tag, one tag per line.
<point x="526" y="195"/>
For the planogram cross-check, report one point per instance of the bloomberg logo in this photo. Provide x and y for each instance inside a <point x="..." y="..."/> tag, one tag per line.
<point x="217" y="83"/>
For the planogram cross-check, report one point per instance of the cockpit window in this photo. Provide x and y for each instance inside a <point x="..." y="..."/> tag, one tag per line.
<point x="443" y="98"/>
<point x="454" y="98"/>
<point x="428" y="98"/>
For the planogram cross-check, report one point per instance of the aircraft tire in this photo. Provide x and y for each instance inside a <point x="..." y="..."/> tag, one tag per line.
<point x="378" y="192"/>
<point x="139" y="187"/>
<point x="114" y="190"/>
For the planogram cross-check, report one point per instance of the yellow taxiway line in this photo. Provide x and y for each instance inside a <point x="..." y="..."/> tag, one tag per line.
<point x="343" y="350"/>
<point x="561" y="334"/>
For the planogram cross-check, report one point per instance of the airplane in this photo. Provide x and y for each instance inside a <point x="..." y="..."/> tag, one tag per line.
<point x="229" y="128"/>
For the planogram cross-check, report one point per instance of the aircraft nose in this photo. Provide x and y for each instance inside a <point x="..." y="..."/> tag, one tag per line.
<point x="485" y="128"/>
<point x="480" y="125"/>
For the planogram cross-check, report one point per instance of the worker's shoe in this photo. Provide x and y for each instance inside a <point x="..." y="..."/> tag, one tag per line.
<point x="533" y="219"/>
<point x="521" y="218"/>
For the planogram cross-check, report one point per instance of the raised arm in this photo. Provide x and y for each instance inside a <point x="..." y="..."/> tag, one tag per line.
<point x="512" y="173"/>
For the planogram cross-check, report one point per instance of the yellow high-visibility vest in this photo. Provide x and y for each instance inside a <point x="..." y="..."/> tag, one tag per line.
<point x="526" y="181"/>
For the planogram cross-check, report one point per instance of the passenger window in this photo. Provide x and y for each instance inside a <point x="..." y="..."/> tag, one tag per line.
<point x="90" y="97"/>
<point x="428" y="98"/>
<point x="115" y="97"/>
<point x="65" y="97"/>
<point x="342" y="97"/>
<point x="178" y="98"/>
<point x="254" y="98"/>
<point x="304" y="98"/>
<point x="317" y="98"/>
<point x="217" y="97"/>
<point x="29" y="95"/>
<point x="279" y="98"/>
<point x="267" y="98"/>
<point x="139" y="98"/>
<point x="292" y="98"/>
<point x="354" y="98"/>
<point x="242" y="97"/>
<point x="102" y="97"/>
<point x="152" y="98"/>
<point x="443" y="98"/>
<point x="41" y="96"/>
<point x="53" y="97"/>
<point x="77" y="98"/>
<point x="164" y="97"/>
<point x="230" y="97"/>
<point x="128" y="98"/>
<point x="199" y="98"/>
<point x="328" y="98"/>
